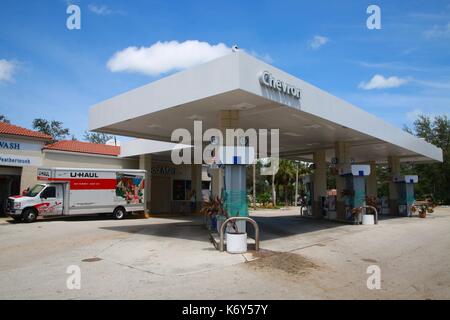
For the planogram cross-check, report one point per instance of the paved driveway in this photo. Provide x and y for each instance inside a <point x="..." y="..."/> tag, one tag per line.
<point x="172" y="258"/>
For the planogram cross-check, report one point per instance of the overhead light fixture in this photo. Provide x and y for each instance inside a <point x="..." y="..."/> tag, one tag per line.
<point x="195" y="117"/>
<point x="312" y="126"/>
<point x="295" y="115"/>
<point x="292" y="134"/>
<point x="243" y="106"/>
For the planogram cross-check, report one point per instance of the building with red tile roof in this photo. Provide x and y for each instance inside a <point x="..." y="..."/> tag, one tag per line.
<point x="84" y="147"/>
<point x="13" y="130"/>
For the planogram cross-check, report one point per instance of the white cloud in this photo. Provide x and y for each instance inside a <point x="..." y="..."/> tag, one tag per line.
<point x="164" y="57"/>
<point x="7" y="70"/>
<point x="438" y="32"/>
<point x="101" y="10"/>
<point x="414" y="114"/>
<point x="434" y="84"/>
<point x="264" y="57"/>
<point x="317" y="42"/>
<point x="391" y="66"/>
<point x="380" y="82"/>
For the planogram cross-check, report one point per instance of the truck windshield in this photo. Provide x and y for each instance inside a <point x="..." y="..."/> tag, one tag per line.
<point x="35" y="190"/>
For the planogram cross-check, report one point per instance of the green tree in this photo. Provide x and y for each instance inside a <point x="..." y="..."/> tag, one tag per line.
<point x="262" y="182"/>
<point x="383" y="179"/>
<point x="3" y="118"/>
<point x="434" y="178"/>
<point x="285" y="177"/>
<point x="52" y="128"/>
<point x="96" y="137"/>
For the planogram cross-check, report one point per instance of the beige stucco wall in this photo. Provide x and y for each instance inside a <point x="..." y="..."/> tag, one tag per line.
<point x="28" y="178"/>
<point x="31" y="148"/>
<point x="77" y="160"/>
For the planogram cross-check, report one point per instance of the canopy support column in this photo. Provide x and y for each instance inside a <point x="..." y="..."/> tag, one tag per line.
<point x="394" y="170"/>
<point x="342" y="153"/>
<point x="145" y="163"/>
<point x="196" y="185"/>
<point x="320" y="183"/>
<point x="372" y="188"/>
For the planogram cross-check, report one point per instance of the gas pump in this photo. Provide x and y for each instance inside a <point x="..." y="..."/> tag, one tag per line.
<point x="405" y="189"/>
<point x="354" y="194"/>
<point x="308" y="186"/>
<point x="234" y="161"/>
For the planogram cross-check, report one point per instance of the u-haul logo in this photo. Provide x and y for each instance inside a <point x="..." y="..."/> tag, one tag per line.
<point x="83" y="175"/>
<point x="43" y="174"/>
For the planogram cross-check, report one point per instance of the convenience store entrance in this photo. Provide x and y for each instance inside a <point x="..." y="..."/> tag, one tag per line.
<point x="9" y="185"/>
<point x="160" y="193"/>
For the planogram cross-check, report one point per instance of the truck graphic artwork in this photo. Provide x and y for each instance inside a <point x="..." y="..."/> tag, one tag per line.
<point x="46" y="207"/>
<point x="130" y="187"/>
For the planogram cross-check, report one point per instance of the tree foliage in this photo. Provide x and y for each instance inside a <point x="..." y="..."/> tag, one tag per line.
<point x="3" y="118"/>
<point x="52" y="128"/>
<point x="434" y="178"/>
<point x="96" y="137"/>
<point x="284" y="181"/>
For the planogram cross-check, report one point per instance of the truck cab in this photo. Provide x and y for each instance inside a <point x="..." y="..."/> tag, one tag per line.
<point x="44" y="199"/>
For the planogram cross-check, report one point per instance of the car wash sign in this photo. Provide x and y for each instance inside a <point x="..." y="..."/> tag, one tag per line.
<point x="8" y="145"/>
<point x="268" y="80"/>
<point x="19" y="145"/>
<point x="19" y="161"/>
<point x="164" y="171"/>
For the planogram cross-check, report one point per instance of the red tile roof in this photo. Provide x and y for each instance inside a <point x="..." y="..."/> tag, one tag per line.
<point x="84" y="147"/>
<point x="6" y="128"/>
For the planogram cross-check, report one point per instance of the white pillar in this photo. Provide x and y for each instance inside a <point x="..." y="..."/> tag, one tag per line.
<point x="320" y="181"/>
<point x="227" y="119"/>
<point x="145" y="163"/>
<point x="372" y="188"/>
<point x="394" y="169"/>
<point x="216" y="183"/>
<point x="342" y="153"/>
<point x="196" y="184"/>
<point x="254" y="186"/>
<point x="296" y="186"/>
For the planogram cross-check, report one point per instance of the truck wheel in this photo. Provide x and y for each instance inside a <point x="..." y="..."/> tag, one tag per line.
<point x="29" y="216"/>
<point x="119" y="213"/>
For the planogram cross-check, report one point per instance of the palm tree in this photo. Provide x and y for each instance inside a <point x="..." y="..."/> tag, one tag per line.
<point x="3" y="118"/>
<point x="285" y="175"/>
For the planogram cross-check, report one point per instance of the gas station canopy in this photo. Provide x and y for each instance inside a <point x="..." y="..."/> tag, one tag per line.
<point x="308" y="118"/>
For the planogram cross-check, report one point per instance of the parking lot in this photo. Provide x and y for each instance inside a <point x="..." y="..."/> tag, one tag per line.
<point x="172" y="258"/>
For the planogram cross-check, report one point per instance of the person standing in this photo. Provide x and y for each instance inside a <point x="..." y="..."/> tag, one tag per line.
<point x="193" y="201"/>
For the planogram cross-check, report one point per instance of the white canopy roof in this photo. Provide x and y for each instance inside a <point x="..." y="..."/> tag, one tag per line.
<point x="315" y="121"/>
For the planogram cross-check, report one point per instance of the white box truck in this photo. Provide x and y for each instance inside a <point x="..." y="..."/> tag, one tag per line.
<point x="68" y="192"/>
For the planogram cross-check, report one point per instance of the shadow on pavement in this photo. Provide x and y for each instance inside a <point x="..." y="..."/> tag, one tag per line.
<point x="188" y="228"/>
<point x="192" y="227"/>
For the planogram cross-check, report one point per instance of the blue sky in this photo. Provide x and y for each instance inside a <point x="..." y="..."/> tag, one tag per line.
<point x="55" y="73"/>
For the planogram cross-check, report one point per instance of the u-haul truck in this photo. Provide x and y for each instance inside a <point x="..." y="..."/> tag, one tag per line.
<point x="68" y="192"/>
